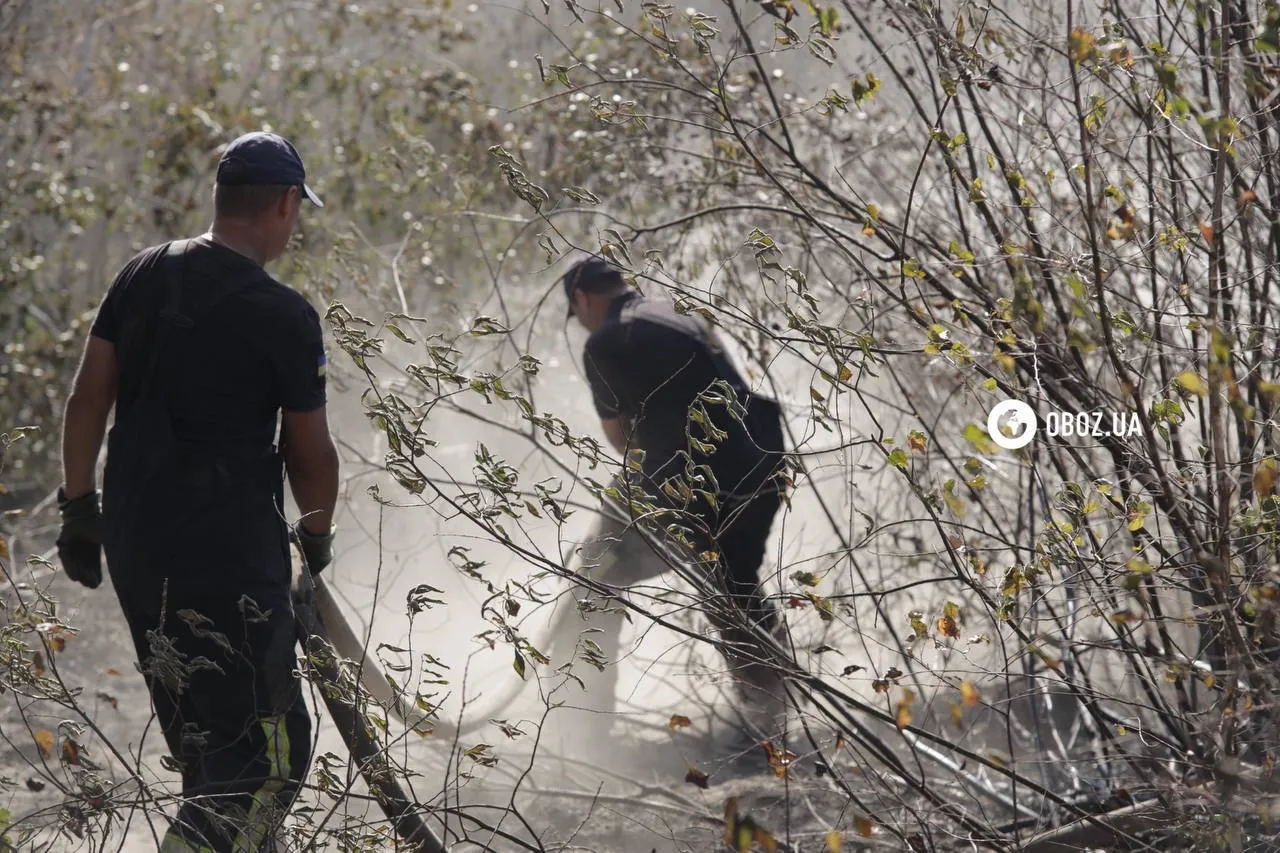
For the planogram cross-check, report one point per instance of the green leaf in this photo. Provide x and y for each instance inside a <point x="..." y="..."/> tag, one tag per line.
<point x="399" y="333"/>
<point x="898" y="458"/>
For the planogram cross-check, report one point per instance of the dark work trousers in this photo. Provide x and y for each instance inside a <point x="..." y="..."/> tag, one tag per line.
<point x="618" y="555"/>
<point x="220" y="670"/>
<point x="740" y="535"/>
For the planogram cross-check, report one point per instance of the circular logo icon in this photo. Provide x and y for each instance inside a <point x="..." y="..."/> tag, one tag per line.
<point x="1015" y="416"/>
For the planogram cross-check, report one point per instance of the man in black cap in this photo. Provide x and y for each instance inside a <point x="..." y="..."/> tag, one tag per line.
<point x="203" y="355"/>
<point x="662" y="384"/>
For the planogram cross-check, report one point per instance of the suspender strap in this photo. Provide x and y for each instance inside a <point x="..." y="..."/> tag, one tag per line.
<point x="171" y="316"/>
<point x="172" y="269"/>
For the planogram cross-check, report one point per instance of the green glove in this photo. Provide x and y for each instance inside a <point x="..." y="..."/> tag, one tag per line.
<point x="80" y="538"/>
<point x="317" y="551"/>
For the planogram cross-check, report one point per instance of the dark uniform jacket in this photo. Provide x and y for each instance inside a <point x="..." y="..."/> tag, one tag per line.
<point x="655" y="366"/>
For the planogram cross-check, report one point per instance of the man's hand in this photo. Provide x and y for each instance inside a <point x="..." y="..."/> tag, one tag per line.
<point x="80" y="539"/>
<point x="317" y="551"/>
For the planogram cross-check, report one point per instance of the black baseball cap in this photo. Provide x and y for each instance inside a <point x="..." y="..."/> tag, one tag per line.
<point x="261" y="157"/>
<point x="592" y="275"/>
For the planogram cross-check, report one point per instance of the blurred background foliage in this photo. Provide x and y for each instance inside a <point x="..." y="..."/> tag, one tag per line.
<point x="112" y="117"/>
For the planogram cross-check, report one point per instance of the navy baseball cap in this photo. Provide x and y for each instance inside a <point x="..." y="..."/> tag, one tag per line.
<point x="263" y="158"/>
<point x="593" y="275"/>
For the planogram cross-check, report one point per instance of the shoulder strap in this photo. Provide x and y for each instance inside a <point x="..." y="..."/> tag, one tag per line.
<point x="171" y="316"/>
<point x="171" y="273"/>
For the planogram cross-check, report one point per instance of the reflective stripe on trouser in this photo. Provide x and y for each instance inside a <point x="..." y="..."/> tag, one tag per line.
<point x="238" y="726"/>
<point x="250" y="828"/>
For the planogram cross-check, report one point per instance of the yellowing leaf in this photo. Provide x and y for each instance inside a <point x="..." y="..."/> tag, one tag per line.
<point x="1206" y="231"/>
<point x="1264" y="478"/>
<point x="903" y="718"/>
<point x="968" y="694"/>
<point x="1139" y="566"/>
<point x="917" y="441"/>
<point x="1080" y="45"/>
<point x="1191" y="381"/>
<point x="831" y="842"/>
<point x="4" y="547"/>
<point x="1246" y="197"/>
<point x="44" y="739"/>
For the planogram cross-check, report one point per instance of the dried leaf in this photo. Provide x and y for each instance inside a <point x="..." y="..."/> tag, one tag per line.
<point x="852" y="668"/>
<point x="45" y="740"/>
<point x="863" y="826"/>
<point x="780" y="759"/>
<point x="35" y="784"/>
<point x="947" y="627"/>
<point x="903" y="718"/>
<point x="696" y="777"/>
<point x="112" y="671"/>
<point x="1246" y="197"/>
<point x="1264" y="478"/>
<point x="1206" y="231"/>
<point x="969" y="694"/>
<point x="679" y="721"/>
<point x="70" y="751"/>
<point x="109" y="699"/>
<point x="765" y="839"/>
<point x="4" y="548"/>
<point x="58" y="643"/>
<point x="917" y="441"/>
<point x="37" y="663"/>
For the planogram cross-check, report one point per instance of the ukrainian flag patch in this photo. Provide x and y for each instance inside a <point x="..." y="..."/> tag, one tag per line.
<point x="322" y="364"/>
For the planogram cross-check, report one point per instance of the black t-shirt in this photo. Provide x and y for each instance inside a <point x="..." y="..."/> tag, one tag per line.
<point x="256" y="351"/>
<point x="249" y="350"/>
<point x="647" y="363"/>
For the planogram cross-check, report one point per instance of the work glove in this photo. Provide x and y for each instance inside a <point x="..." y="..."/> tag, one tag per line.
<point x="80" y="538"/>
<point x="317" y="550"/>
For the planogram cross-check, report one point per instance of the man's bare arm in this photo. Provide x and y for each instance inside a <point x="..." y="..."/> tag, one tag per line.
<point x="618" y="431"/>
<point x="311" y="460"/>
<point x="84" y="422"/>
